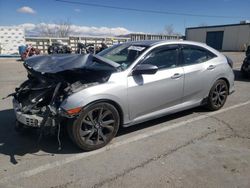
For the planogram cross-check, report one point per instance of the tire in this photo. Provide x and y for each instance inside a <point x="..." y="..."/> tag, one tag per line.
<point x="217" y="95"/>
<point x="95" y="127"/>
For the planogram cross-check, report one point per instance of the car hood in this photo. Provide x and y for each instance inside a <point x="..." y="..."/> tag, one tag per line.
<point x="58" y="63"/>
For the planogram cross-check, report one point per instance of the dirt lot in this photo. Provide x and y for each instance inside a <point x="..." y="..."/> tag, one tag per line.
<point x="194" y="148"/>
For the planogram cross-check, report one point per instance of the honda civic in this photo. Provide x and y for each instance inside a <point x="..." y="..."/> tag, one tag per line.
<point x="126" y="84"/>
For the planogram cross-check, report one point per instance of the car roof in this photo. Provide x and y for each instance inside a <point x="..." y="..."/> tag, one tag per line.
<point x="156" y="42"/>
<point x="151" y="43"/>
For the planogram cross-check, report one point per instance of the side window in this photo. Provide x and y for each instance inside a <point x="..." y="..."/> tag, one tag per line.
<point x="194" y="55"/>
<point x="163" y="57"/>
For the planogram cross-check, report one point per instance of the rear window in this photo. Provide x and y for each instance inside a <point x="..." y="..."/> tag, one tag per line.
<point x="194" y="55"/>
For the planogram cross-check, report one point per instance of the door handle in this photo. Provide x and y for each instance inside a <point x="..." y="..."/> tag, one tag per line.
<point x="176" y="75"/>
<point x="211" y="67"/>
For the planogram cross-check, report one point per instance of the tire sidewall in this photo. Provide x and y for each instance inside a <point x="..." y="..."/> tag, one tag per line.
<point x="75" y="127"/>
<point x="211" y="106"/>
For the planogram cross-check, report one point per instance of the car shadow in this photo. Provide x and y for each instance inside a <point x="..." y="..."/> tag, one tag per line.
<point x="15" y="144"/>
<point x="239" y="77"/>
<point x="151" y="123"/>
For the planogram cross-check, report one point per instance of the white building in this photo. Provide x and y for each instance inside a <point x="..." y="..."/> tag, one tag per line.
<point x="233" y="37"/>
<point x="10" y="39"/>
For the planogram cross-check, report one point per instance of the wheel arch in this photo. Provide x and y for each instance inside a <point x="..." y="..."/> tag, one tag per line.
<point x="227" y="82"/>
<point x="205" y="99"/>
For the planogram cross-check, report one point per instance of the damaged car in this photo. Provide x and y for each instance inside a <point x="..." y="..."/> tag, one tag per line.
<point x="129" y="83"/>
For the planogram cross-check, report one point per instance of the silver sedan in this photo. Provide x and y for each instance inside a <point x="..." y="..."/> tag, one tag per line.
<point x="132" y="83"/>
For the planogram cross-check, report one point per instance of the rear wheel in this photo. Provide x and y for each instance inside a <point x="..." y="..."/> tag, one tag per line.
<point x="217" y="95"/>
<point x="96" y="126"/>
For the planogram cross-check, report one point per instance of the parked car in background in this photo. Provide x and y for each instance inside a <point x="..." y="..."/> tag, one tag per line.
<point x="248" y="51"/>
<point x="59" y="48"/>
<point x="81" y="48"/>
<point x="28" y="51"/>
<point x="121" y="86"/>
<point x="90" y="48"/>
<point x="245" y="67"/>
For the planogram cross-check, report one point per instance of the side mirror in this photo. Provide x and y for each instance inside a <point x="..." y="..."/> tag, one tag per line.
<point x="145" y="69"/>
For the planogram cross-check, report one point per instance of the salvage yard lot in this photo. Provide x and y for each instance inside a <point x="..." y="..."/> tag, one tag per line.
<point x="194" y="148"/>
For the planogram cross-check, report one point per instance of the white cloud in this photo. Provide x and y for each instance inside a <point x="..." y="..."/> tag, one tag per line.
<point x="28" y="26"/>
<point x="85" y="30"/>
<point x="26" y="10"/>
<point x="76" y="30"/>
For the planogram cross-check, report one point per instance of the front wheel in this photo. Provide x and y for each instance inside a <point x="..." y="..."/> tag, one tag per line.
<point x="95" y="127"/>
<point x="217" y="95"/>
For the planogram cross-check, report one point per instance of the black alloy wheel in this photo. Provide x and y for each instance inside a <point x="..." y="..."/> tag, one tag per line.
<point x="96" y="126"/>
<point x="218" y="95"/>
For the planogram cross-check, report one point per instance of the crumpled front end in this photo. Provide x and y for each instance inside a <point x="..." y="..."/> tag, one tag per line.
<point x="37" y="101"/>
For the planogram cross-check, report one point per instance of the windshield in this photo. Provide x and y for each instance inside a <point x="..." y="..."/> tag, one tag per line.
<point x="123" y="54"/>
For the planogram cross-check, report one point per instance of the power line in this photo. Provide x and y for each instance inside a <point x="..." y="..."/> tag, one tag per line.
<point x="146" y="10"/>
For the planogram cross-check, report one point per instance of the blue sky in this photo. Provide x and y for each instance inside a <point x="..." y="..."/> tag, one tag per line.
<point x="50" y="11"/>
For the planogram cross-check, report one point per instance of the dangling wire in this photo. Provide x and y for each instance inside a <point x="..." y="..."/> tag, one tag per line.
<point x="58" y="137"/>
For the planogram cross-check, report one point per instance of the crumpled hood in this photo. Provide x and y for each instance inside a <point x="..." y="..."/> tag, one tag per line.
<point x="61" y="62"/>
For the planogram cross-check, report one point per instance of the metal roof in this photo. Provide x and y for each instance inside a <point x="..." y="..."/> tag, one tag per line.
<point x="213" y="26"/>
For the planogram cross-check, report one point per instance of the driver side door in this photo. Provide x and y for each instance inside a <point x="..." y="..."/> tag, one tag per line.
<point x="150" y="95"/>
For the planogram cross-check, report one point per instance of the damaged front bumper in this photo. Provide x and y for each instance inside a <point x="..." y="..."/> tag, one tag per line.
<point x="34" y="120"/>
<point x="30" y="120"/>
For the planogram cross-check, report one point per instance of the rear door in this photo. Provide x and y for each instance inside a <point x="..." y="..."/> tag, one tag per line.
<point x="198" y="66"/>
